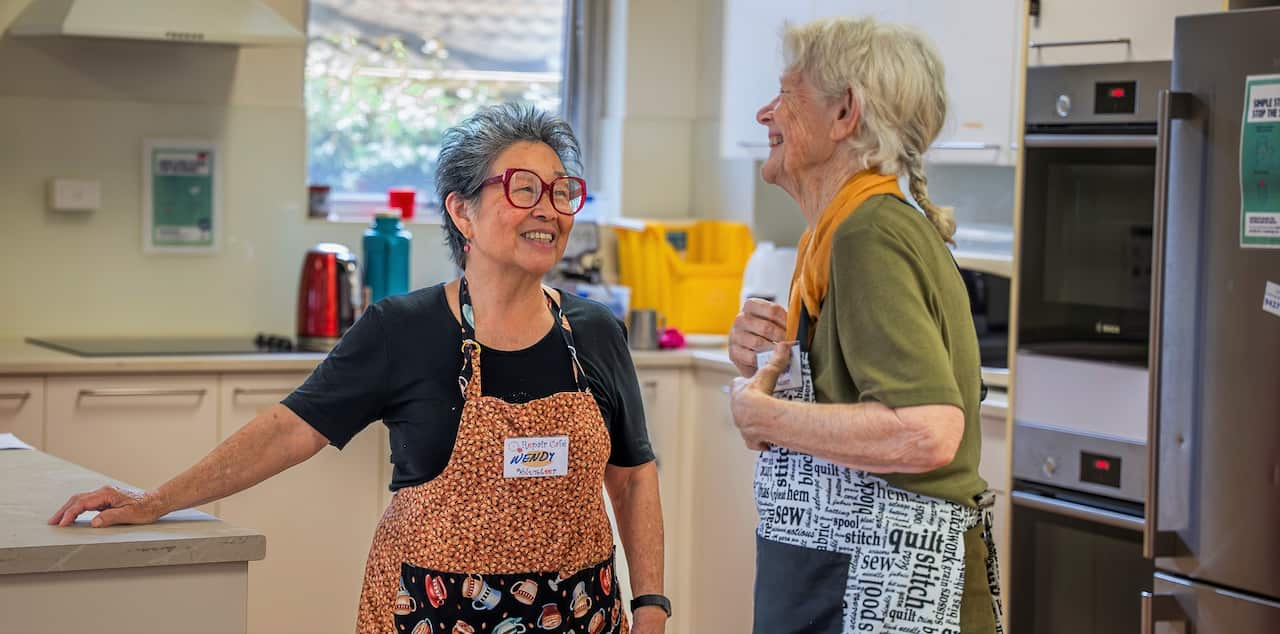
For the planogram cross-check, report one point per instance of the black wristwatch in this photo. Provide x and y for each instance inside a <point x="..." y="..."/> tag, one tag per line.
<point x="652" y="599"/>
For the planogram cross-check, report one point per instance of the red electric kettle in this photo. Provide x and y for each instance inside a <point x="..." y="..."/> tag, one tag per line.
<point x="328" y="296"/>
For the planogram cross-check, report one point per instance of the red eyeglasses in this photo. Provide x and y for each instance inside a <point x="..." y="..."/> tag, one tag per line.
<point x="524" y="189"/>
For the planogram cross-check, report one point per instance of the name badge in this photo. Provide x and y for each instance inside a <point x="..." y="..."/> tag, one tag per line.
<point x="790" y="377"/>
<point x="536" y="457"/>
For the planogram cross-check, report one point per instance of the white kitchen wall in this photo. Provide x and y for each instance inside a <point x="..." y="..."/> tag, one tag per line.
<point x="80" y="108"/>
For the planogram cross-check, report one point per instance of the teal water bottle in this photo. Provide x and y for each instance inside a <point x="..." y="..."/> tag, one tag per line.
<point x="386" y="257"/>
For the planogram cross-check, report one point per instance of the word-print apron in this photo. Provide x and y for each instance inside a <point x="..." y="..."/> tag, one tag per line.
<point x="512" y="536"/>
<point x="839" y="550"/>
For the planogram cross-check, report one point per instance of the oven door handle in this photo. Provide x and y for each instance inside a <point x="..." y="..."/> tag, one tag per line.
<point x="1077" y="511"/>
<point x="1090" y="141"/>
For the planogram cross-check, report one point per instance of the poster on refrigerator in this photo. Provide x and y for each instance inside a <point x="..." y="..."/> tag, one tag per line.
<point x="1260" y="163"/>
<point x="180" y="181"/>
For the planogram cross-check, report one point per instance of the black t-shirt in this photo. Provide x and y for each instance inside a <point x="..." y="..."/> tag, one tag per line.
<point x="400" y="362"/>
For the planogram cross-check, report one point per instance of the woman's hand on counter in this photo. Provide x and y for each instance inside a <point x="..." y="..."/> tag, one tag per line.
<point x="114" y="506"/>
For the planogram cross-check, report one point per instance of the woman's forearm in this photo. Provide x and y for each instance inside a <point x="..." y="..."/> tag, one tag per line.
<point x="866" y="436"/>
<point x="273" y="441"/>
<point x="638" y="511"/>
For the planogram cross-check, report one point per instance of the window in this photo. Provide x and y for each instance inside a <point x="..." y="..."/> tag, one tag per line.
<point x="384" y="79"/>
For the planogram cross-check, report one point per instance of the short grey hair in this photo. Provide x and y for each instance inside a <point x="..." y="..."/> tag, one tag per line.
<point x="467" y="152"/>
<point x="896" y="77"/>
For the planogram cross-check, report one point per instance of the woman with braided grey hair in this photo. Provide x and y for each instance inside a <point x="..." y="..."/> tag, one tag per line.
<point x="873" y="517"/>
<point x="498" y="521"/>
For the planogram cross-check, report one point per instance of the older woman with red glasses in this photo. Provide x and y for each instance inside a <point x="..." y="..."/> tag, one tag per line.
<point x="510" y="408"/>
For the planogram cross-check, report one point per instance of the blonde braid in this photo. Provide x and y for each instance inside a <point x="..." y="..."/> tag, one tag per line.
<point x="943" y="218"/>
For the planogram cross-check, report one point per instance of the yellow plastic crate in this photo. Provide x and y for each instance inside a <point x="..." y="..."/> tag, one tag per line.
<point x="694" y="289"/>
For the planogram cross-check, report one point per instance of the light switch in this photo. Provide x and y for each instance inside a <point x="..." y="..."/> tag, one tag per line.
<point x="66" y="194"/>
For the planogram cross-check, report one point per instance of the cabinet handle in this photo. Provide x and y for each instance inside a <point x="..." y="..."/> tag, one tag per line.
<point x="965" y="145"/>
<point x="259" y="391"/>
<point x="112" y="392"/>
<point x="1159" y="608"/>
<point x="1111" y="40"/>
<point x="15" y="396"/>
<point x="644" y="385"/>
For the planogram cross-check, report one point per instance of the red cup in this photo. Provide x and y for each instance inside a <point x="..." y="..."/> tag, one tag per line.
<point x="402" y="198"/>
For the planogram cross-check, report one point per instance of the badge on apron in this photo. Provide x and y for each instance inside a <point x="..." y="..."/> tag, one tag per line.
<point x="536" y="457"/>
<point x="790" y="377"/>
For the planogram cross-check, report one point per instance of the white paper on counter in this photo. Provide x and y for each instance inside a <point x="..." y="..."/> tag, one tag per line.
<point x="9" y="441"/>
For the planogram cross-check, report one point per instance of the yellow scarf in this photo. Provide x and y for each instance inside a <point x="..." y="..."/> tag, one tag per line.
<point x="813" y="255"/>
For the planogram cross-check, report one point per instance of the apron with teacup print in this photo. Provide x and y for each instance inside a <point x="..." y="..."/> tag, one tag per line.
<point x="839" y="550"/>
<point x="512" y="536"/>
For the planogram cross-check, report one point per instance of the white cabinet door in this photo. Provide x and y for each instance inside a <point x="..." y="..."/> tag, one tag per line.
<point x="664" y="391"/>
<point x="22" y="409"/>
<point x="979" y="44"/>
<point x="724" y="512"/>
<point x="318" y="518"/>
<point x="1146" y="24"/>
<point x="752" y="64"/>
<point x="140" y="429"/>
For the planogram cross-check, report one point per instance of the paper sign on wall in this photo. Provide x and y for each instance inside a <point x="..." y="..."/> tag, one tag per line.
<point x="1260" y="163"/>
<point x="180" y="181"/>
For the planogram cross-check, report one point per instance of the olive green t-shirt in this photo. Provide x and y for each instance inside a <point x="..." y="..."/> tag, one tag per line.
<point x="896" y="328"/>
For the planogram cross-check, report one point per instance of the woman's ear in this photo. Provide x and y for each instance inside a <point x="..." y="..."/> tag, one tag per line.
<point x="847" y="117"/>
<point x="456" y="206"/>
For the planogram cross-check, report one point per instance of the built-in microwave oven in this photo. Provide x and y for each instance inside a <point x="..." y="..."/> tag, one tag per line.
<point x="989" y="303"/>
<point x="1087" y="215"/>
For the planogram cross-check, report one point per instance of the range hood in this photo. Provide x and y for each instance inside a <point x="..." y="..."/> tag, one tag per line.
<point x="242" y="22"/>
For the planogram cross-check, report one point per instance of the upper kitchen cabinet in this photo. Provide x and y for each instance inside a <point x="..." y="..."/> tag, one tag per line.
<point x="1105" y="31"/>
<point x="979" y="41"/>
<point x="752" y="57"/>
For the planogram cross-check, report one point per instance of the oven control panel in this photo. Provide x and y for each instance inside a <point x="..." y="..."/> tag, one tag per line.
<point x="1080" y="461"/>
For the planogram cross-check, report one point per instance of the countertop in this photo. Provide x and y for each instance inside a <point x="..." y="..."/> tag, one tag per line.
<point x="35" y="484"/>
<point x="18" y="357"/>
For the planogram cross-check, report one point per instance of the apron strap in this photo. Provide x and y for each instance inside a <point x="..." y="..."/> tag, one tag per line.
<point x="469" y="374"/>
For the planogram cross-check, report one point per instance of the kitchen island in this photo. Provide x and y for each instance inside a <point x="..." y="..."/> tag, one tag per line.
<point x="186" y="573"/>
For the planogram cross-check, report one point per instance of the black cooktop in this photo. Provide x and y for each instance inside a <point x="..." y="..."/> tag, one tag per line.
<point x="164" y="346"/>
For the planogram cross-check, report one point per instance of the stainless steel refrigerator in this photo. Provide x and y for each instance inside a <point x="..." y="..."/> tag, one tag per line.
<point x="1213" y="514"/>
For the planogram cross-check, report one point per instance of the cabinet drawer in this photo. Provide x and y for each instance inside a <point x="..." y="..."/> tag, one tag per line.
<point x="318" y="517"/>
<point x="22" y="409"/>
<point x="142" y="430"/>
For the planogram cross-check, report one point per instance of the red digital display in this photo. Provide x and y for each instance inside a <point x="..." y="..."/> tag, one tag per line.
<point x="1117" y="93"/>
<point x="1102" y="465"/>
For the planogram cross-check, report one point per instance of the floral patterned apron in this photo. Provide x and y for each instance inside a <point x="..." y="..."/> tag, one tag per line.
<point x="512" y="536"/>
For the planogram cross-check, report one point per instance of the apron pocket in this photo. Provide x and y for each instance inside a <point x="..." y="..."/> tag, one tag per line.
<point x="431" y="602"/>
<point x="799" y="589"/>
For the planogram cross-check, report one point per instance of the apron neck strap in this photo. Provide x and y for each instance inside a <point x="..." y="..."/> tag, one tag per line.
<point x="469" y="375"/>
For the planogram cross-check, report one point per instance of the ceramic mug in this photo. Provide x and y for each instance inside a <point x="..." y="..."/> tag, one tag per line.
<point x="509" y="626"/>
<point x="525" y="591"/>
<point x="596" y="624"/>
<point x="550" y="618"/>
<point x="581" y="602"/>
<point x="404" y="604"/>
<point x="436" y="593"/>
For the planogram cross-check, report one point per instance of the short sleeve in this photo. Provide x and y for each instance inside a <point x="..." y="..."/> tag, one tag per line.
<point x="348" y="390"/>
<point x="888" y="327"/>
<point x="612" y="376"/>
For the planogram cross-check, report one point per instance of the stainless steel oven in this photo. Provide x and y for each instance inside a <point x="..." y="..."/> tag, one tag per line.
<point x="1089" y="183"/>
<point x="1077" y="533"/>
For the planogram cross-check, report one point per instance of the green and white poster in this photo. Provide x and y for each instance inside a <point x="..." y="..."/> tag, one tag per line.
<point x="180" y="196"/>
<point x="1260" y="163"/>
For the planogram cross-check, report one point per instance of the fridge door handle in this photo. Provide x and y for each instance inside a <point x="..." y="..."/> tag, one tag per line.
<point x="1171" y="105"/>
<point x="1160" y="608"/>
